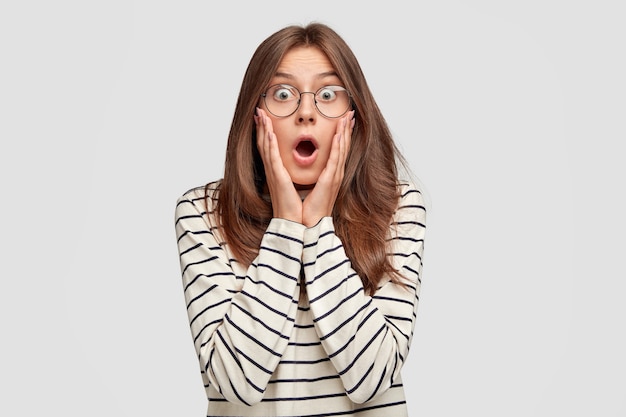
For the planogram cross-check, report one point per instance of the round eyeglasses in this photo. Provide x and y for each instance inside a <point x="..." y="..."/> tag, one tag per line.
<point x="283" y="100"/>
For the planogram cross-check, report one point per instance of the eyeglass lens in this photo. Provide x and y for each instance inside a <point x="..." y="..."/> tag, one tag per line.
<point x="283" y="100"/>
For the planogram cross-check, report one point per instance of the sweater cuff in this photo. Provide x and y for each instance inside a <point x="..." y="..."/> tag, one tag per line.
<point x="287" y="229"/>
<point x="312" y="236"/>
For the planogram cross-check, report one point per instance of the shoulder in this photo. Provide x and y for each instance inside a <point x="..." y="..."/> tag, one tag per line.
<point x="411" y="204"/>
<point x="199" y="199"/>
<point x="410" y="194"/>
<point x="207" y="191"/>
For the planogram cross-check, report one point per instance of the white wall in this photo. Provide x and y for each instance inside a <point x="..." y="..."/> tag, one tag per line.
<point x="511" y="114"/>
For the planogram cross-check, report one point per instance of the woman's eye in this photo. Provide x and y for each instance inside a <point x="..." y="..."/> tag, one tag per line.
<point x="282" y="94"/>
<point x="326" y="94"/>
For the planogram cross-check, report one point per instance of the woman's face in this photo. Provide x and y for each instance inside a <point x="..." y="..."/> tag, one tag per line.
<point x="304" y="137"/>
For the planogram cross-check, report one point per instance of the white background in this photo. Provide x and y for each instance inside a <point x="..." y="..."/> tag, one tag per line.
<point x="510" y="112"/>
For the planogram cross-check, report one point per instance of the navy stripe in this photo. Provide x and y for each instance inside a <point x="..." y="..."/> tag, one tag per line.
<point x="299" y="380"/>
<point x="197" y="245"/>
<point x="408" y="268"/>
<point x="284" y="237"/>
<point x="195" y="232"/>
<point x="329" y="251"/>
<point x="358" y="384"/>
<point x="311" y="362"/>
<point x="249" y="336"/>
<point x="188" y="216"/>
<point x="197" y="297"/>
<point x="413" y="206"/>
<point x="332" y="268"/>
<point x="266" y="285"/>
<point x="309" y="245"/>
<point x="403" y="222"/>
<point x="198" y="263"/>
<point x="395" y="300"/>
<point x="410" y="191"/>
<point x="218" y="320"/>
<point x="399" y="318"/>
<point x="237" y="394"/>
<point x="397" y="328"/>
<point x="380" y="382"/>
<point x="332" y="310"/>
<point x="261" y="322"/>
<point x="333" y="288"/>
<point x="326" y="336"/>
<point x="303" y="344"/>
<point x="362" y="323"/>
<point x="283" y="254"/>
<point x="252" y="297"/>
<point x="279" y="272"/>
<point x="312" y="397"/>
<point x="341" y="349"/>
<point x="232" y="354"/>
<point x="208" y="308"/>
<point x="216" y="274"/>
<point x="409" y="239"/>
<point x="255" y="363"/>
<point x="367" y="345"/>
<point x="322" y="254"/>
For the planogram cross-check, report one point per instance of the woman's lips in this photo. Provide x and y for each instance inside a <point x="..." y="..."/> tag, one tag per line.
<point x="305" y="151"/>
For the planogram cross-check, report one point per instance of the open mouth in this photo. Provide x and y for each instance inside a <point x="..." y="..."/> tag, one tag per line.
<point x="305" y="148"/>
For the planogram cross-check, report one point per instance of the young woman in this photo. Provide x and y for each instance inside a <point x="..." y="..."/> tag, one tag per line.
<point x="301" y="266"/>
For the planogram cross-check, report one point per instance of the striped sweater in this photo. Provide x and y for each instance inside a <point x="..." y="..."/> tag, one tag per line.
<point x="267" y="349"/>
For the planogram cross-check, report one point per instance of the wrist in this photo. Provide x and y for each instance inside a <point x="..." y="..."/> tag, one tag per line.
<point x="293" y="217"/>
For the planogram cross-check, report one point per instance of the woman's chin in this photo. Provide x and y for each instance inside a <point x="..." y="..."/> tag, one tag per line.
<point x="304" y="180"/>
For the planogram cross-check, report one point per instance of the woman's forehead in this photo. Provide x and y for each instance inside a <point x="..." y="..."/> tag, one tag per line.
<point x="305" y="62"/>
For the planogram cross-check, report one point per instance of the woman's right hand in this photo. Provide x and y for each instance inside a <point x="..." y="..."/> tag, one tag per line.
<point x="286" y="202"/>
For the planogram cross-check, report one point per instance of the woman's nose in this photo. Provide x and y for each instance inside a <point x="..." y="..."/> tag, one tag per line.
<point x="307" y="110"/>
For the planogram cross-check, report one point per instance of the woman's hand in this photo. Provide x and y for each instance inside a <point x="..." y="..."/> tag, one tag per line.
<point x="321" y="200"/>
<point x="286" y="202"/>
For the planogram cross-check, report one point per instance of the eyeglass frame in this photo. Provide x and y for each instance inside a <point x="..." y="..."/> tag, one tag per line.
<point x="264" y="95"/>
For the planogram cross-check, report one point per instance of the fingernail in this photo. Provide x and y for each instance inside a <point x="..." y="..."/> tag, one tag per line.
<point x="256" y="110"/>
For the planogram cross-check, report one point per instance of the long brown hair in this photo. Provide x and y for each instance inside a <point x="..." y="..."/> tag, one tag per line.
<point x="369" y="193"/>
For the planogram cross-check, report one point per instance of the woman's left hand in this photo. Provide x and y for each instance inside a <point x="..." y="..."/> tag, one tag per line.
<point x="321" y="200"/>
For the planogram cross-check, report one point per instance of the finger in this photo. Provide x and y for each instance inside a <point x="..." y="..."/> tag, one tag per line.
<point x="342" y="145"/>
<point x="275" y="169"/>
<point x="268" y="122"/>
<point x="270" y="172"/>
<point x="264" y="145"/>
<point x="351" y="124"/>
<point x="330" y="171"/>
<point x="348" y="129"/>
<point x="341" y="151"/>
<point x="260" y="132"/>
<point x="276" y="162"/>
<point x="345" y="143"/>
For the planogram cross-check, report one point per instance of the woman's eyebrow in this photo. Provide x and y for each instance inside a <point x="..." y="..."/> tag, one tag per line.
<point x="327" y="74"/>
<point x="320" y="75"/>
<point x="284" y="75"/>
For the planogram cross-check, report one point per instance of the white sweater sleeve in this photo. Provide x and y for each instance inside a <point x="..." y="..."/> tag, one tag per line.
<point x="240" y="324"/>
<point x="367" y="338"/>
